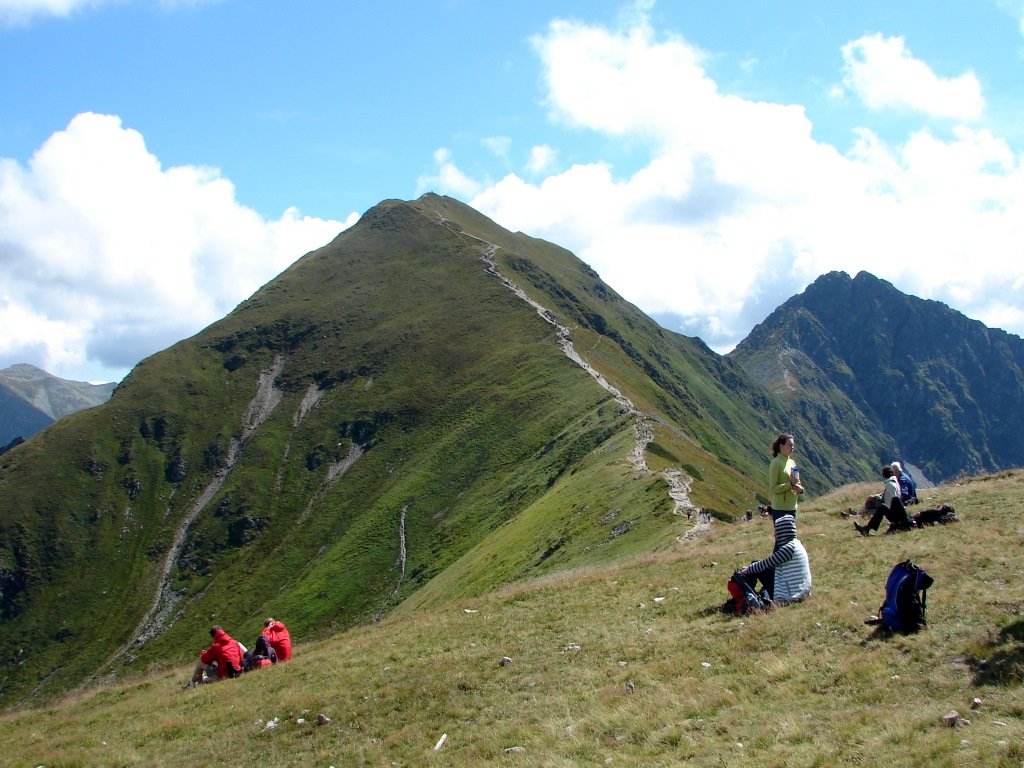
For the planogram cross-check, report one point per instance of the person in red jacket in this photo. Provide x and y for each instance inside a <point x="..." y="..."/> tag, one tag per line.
<point x="277" y="633"/>
<point x="224" y="654"/>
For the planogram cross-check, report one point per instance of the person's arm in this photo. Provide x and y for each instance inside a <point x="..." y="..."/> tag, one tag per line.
<point x="774" y="560"/>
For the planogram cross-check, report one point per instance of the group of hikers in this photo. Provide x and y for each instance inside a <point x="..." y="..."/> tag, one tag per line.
<point x="226" y="657"/>
<point x="898" y="493"/>
<point x="785" y="575"/>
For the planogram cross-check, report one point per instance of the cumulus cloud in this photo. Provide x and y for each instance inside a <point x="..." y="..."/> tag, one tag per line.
<point x="106" y="257"/>
<point x="883" y="73"/>
<point x="739" y="207"/>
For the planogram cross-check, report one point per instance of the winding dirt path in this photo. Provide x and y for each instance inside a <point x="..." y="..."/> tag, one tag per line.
<point x="679" y="488"/>
<point x="264" y="402"/>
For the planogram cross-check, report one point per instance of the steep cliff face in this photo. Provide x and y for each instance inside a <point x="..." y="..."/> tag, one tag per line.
<point x="931" y="386"/>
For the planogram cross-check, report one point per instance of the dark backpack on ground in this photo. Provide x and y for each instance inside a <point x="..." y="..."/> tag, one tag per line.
<point x="940" y="515"/>
<point x="906" y="594"/>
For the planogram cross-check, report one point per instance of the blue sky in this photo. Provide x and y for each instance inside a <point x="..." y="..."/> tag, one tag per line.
<point x="162" y="159"/>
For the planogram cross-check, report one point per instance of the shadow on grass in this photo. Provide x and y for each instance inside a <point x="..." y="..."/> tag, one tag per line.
<point x="1003" y="664"/>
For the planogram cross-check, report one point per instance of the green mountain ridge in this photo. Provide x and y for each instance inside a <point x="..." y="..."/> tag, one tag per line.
<point x="426" y="409"/>
<point x="385" y="419"/>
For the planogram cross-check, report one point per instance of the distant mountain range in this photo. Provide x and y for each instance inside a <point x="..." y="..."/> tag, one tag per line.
<point x="31" y="398"/>
<point x="944" y="392"/>
<point x="430" y="407"/>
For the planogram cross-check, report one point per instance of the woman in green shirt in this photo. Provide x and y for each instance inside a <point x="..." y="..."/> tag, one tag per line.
<point x="783" y="477"/>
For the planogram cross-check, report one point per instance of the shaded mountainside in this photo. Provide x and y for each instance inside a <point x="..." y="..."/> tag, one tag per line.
<point x="429" y="406"/>
<point x="31" y="399"/>
<point x="916" y="379"/>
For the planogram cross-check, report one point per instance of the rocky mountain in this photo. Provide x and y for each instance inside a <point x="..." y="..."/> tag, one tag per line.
<point x="940" y="391"/>
<point x="31" y="399"/>
<point x="428" y="407"/>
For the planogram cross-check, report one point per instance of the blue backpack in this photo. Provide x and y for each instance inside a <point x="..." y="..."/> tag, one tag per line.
<point x="906" y="594"/>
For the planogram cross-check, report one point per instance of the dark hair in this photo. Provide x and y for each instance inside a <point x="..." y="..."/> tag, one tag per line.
<point x="780" y="441"/>
<point x="213" y="630"/>
<point x="888" y="471"/>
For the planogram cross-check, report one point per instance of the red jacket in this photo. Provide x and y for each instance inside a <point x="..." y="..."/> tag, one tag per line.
<point x="280" y="640"/>
<point x="225" y="650"/>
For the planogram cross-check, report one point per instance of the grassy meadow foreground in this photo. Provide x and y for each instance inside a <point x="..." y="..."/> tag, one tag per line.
<point x="630" y="664"/>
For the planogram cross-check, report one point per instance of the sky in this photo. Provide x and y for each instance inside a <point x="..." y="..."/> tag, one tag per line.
<point x="160" y="160"/>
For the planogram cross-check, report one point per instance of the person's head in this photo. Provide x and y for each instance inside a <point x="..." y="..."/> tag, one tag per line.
<point x="897" y="468"/>
<point x="785" y="529"/>
<point x="887" y="471"/>
<point x="267" y="623"/>
<point x="783" y="444"/>
<point x="214" y="630"/>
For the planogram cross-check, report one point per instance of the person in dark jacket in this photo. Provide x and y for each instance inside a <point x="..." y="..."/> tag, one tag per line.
<point x="224" y="655"/>
<point x="908" y="488"/>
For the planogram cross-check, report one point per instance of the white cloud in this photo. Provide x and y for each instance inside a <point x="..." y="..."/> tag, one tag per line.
<point x="1016" y="9"/>
<point x="448" y="177"/>
<point x="498" y="145"/>
<point x="885" y="75"/>
<point x="542" y="157"/>
<point x="14" y="12"/>
<point x="739" y="207"/>
<point x="106" y="257"/>
<point x="23" y="10"/>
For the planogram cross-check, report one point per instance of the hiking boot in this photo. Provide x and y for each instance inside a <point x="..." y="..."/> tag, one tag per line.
<point x="863" y="530"/>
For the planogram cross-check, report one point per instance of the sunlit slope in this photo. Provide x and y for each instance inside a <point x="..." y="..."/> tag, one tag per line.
<point x="400" y="402"/>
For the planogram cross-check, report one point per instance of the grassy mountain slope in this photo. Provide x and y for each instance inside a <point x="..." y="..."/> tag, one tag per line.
<point x="624" y="663"/>
<point x="892" y="376"/>
<point x="387" y="419"/>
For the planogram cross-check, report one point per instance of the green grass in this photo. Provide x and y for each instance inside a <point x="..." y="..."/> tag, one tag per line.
<point x="628" y="663"/>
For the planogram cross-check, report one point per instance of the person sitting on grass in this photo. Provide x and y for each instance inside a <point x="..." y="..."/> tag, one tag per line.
<point x="786" y="572"/>
<point x="224" y="656"/>
<point x="281" y="641"/>
<point x="889" y="505"/>
<point x="908" y="488"/>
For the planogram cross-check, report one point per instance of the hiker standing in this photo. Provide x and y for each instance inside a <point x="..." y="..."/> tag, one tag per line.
<point x="783" y="477"/>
